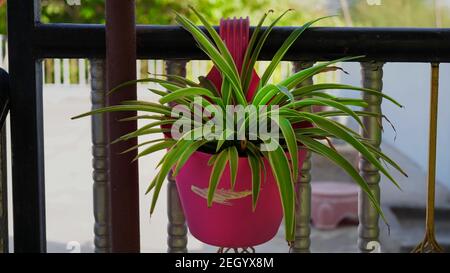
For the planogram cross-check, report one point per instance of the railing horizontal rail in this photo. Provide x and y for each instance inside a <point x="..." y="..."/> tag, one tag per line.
<point x="322" y="43"/>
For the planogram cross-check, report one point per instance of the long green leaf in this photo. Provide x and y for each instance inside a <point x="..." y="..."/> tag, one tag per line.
<point x="282" y="173"/>
<point x="345" y="101"/>
<point x="177" y="79"/>
<point x="138" y="117"/>
<point x="340" y="113"/>
<point x="295" y="79"/>
<point x="215" y="56"/>
<point x="306" y="90"/>
<point x="158" y="92"/>
<point x="257" y="49"/>
<point x="344" y="164"/>
<point x="186" y="155"/>
<point x="138" y="133"/>
<point x="124" y="108"/>
<point x="186" y="92"/>
<point x="217" y="40"/>
<point x="167" y="164"/>
<point x="380" y="154"/>
<point x="246" y="72"/>
<point x="283" y="49"/>
<point x="326" y="102"/>
<point x="256" y="177"/>
<point x="270" y="95"/>
<point x="234" y="162"/>
<point x="216" y="174"/>
<point x="226" y="92"/>
<point x="168" y="143"/>
<point x="133" y="82"/>
<point x="142" y="144"/>
<point x="331" y="127"/>
<point x="253" y="149"/>
<point x="155" y="124"/>
<point x="289" y="137"/>
<point x="262" y="92"/>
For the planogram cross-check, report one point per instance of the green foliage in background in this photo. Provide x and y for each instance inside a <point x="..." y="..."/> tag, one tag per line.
<point x="2" y="17"/>
<point x="416" y="13"/>
<point x="160" y="11"/>
<point x="401" y="13"/>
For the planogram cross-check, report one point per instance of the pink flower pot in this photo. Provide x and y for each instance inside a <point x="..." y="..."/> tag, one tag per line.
<point x="235" y="224"/>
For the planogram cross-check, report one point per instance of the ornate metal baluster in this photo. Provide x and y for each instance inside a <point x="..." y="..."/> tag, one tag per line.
<point x="3" y="194"/>
<point x="303" y="190"/>
<point x="102" y="228"/>
<point x="176" y="229"/>
<point x="372" y="77"/>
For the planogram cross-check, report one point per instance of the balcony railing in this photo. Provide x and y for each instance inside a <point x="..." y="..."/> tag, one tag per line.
<point x="31" y="41"/>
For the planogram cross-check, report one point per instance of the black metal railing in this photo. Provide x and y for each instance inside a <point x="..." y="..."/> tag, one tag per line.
<point x="30" y="41"/>
<point x="4" y="109"/>
<point x="316" y="44"/>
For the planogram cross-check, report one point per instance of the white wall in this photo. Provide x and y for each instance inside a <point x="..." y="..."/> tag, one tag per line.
<point x="410" y="85"/>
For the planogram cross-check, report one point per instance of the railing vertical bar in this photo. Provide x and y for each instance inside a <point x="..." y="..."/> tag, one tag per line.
<point x="283" y="70"/>
<point x="4" y="109"/>
<point x="88" y="75"/>
<point x="149" y="65"/>
<point x="151" y="70"/>
<point x="27" y="137"/>
<point x="123" y="172"/>
<point x="262" y="66"/>
<point x="101" y="187"/>
<point x="43" y="69"/>
<point x="176" y="229"/>
<point x="189" y="70"/>
<point x="302" y="241"/>
<point x="193" y="69"/>
<point x="82" y="71"/>
<point x="204" y="68"/>
<point x="66" y="71"/>
<point x="372" y="77"/>
<point x="159" y="67"/>
<point x="138" y="69"/>
<point x="4" y="248"/>
<point x="57" y="71"/>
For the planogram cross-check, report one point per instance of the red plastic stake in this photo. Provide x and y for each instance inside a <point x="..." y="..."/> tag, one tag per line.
<point x="235" y="33"/>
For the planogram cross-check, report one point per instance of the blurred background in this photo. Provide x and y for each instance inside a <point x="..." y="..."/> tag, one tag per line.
<point x="68" y="143"/>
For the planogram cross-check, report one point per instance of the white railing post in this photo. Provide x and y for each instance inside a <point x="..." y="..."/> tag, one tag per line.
<point x="57" y="71"/>
<point x="66" y="72"/>
<point x="138" y="69"/>
<point x="82" y="72"/>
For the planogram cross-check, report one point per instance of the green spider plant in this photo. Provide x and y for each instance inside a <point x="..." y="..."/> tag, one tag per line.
<point x="294" y="104"/>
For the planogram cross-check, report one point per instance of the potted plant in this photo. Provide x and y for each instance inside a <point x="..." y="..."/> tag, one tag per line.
<point x="236" y="171"/>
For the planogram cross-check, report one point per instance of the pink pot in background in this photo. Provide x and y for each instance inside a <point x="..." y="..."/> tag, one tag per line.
<point x="233" y="225"/>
